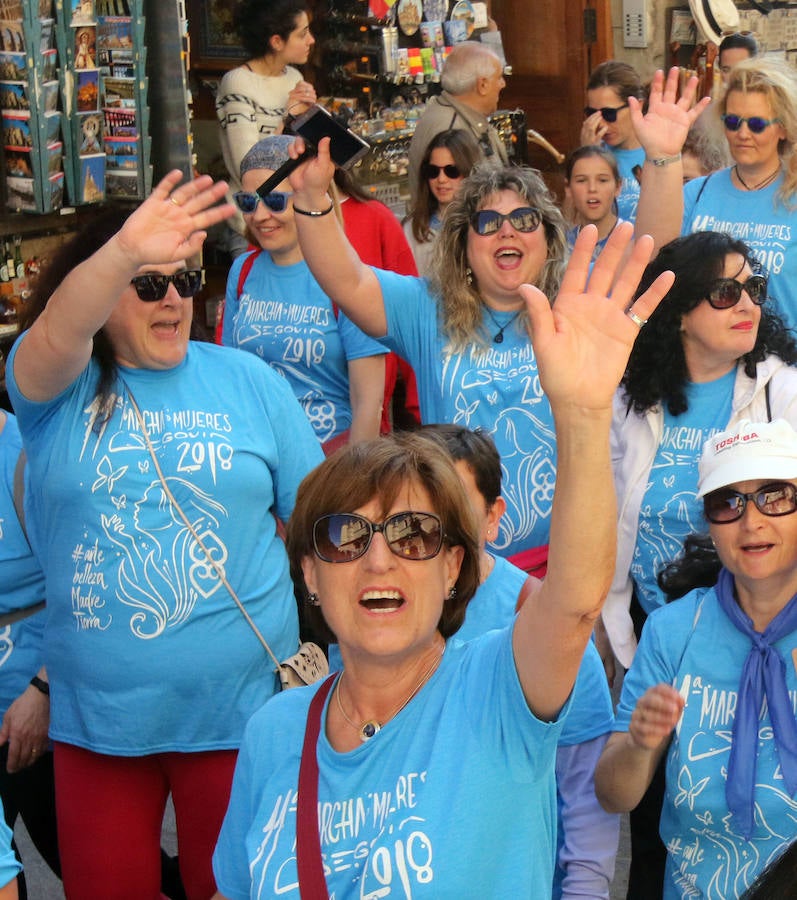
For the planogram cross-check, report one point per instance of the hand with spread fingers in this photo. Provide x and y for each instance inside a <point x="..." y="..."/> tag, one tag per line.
<point x="662" y="129"/>
<point x="582" y="341"/>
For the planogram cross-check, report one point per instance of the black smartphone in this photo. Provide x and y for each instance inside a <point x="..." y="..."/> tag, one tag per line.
<point x="345" y="148"/>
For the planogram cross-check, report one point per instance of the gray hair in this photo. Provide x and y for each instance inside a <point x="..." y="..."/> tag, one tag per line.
<point x="466" y="64"/>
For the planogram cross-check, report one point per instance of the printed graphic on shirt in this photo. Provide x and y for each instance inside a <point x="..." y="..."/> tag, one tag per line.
<point x="712" y="859"/>
<point x="768" y="241"/>
<point x="159" y="569"/>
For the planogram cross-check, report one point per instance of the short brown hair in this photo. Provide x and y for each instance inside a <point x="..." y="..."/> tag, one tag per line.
<point x="358" y="473"/>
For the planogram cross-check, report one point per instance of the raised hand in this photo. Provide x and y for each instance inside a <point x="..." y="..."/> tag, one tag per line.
<point x="311" y="180"/>
<point x="582" y="342"/>
<point x="592" y="129"/>
<point x="663" y="128"/>
<point x="655" y="715"/>
<point x="170" y="225"/>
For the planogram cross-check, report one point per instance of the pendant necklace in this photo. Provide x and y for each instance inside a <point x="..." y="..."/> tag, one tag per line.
<point x="498" y="337"/>
<point x="761" y="184"/>
<point x="371" y="726"/>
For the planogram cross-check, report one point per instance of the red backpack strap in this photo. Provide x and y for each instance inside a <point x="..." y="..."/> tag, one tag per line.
<point x="246" y="268"/>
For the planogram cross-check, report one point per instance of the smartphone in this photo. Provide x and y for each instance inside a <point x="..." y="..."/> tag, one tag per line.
<point x="345" y="148"/>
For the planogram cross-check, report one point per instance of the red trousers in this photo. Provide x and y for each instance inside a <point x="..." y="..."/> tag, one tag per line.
<point x="110" y="815"/>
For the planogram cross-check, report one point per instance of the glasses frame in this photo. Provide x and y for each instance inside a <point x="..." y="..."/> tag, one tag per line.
<point x="450" y="170"/>
<point x="608" y="113"/>
<point x="378" y="527"/>
<point x="755" y="287"/>
<point x="755" y="497"/>
<point x="755" y="124"/>
<point x="479" y="225"/>
<point x="275" y="201"/>
<point x="160" y="284"/>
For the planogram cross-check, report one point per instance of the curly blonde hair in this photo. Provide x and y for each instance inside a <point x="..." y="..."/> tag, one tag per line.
<point x="777" y="81"/>
<point x="461" y="306"/>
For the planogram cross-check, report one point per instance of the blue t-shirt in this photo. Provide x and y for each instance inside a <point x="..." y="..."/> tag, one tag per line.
<point x="572" y="234"/>
<point x="628" y="200"/>
<point x="453" y="798"/>
<point x="145" y="649"/>
<point x="692" y="645"/>
<point x="21" y="579"/>
<point x="9" y="867"/>
<point x="755" y="217"/>
<point x="670" y="509"/>
<point x="495" y="387"/>
<point x="285" y="318"/>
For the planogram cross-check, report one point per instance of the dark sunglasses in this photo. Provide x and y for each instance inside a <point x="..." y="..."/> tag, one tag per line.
<point x="276" y="201"/>
<point x="608" y="113"/>
<point x="727" y="505"/>
<point x="153" y="286"/>
<point x="488" y="221"/>
<point x="726" y="292"/>
<point x="343" y="537"/>
<point x="433" y="171"/>
<point x="755" y="123"/>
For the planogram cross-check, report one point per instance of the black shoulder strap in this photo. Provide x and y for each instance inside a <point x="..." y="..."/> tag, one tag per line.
<point x="19" y="490"/>
<point x="700" y="192"/>
<point x="769" y="407"/>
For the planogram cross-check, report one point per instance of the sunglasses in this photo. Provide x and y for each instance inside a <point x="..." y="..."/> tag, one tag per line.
<point x="343" y="537"/>
<point x="488" y="221"/>
<point x="433" y="171"/>
<point x="276" y="201"/>
<point x="755" y="123"/>
<point x="608" y="113"/>
<point x="727" y="505"/>
<point x="153" y="286"/>
<point x="726" y="292"/>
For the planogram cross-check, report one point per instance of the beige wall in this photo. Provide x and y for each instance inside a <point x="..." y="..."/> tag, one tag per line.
<point x="776" y="33"/>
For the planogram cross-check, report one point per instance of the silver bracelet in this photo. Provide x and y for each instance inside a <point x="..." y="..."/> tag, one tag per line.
<point x="664" y="160"/>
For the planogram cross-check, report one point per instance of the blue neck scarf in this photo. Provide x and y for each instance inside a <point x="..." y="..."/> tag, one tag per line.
<point x="763" y="675"/>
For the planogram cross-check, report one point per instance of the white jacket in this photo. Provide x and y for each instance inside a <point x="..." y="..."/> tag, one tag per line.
<point x="634" y="441"/>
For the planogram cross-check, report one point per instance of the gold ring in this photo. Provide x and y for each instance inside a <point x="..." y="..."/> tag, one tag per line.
<point x="639" y="322"/>
<point x="175" y="202"/>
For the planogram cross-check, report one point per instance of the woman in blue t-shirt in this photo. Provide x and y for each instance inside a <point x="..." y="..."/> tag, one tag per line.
<point x="710" y="355"/>
<point x="712" y="686"/>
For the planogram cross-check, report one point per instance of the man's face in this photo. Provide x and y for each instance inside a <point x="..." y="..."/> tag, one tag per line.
<point x="493" y="85"/>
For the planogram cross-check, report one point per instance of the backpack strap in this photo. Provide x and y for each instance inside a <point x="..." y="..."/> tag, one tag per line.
<point x="246" y="268"/>
<point x="19" y="490"/>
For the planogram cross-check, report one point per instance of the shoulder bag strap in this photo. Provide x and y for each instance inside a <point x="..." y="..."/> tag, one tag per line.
<point x="312" y="883"/>
<point x="217" y="568"/>
<point x="246" y="268"/>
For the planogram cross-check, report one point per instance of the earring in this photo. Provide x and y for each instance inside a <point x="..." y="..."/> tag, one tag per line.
<point x="312" y="600"/>
<point x="452" y="594"/>
<point x="469" y="275"/>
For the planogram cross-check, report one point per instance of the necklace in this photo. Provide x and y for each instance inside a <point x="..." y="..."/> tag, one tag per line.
<point x="370" y="727"/>
<point x="756" y="187"/>
<point x="498" y="337"/>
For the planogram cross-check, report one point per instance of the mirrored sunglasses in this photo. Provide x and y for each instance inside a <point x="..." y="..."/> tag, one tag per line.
<point x="726" y="292"/>
<point x="433" y="171"/>
<point x="153" y="286"/>
<point x="608" y="113"/>
<point x="276" y="201"/>
<point x="727" y="505"/>
<point x="755" y="123"/>
<point x="344" y="537"/>
<point x="488" y="221"/>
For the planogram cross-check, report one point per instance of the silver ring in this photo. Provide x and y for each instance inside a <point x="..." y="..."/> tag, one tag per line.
<point x="639" y="322"/>
<point x="175" y="202"/>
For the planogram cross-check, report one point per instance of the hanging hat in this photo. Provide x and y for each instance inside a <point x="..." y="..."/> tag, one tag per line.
<point x="714" y="18"/>
<point x="746" y="452"/>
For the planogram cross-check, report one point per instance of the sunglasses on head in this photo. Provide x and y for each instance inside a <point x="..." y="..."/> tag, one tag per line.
<point x="433" y="171"/>
<point x="343" y="537"/>
<point x="153" y="286"/>
<point x="727" y="505"/>
<point x="755" y="123"/>
<point x="488" y="221"/>
<point x="608" y="113"/>
<point x="726" y="292"/>
<point x="276" y="201"/>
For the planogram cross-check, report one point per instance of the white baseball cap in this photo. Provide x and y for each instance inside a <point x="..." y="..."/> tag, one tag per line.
<point x="748" y="451"/>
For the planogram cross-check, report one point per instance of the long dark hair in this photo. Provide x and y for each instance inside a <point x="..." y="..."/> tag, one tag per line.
<point x="257" y="21"/>
<point x="657" y="371"/>
<point x="698" y="565"/>
<point x="97" y="231"/>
